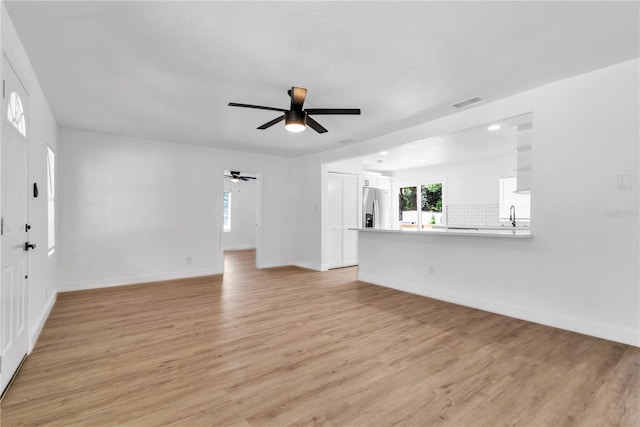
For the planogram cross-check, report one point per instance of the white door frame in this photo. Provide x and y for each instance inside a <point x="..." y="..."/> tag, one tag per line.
<point x="259" y="210"/>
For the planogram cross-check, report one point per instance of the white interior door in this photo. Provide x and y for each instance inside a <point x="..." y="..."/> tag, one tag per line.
<point x="334" y="200"/>
<point x="343" y="214"/>
<point x="349" y="220"/>
<point x="14" y="212"/>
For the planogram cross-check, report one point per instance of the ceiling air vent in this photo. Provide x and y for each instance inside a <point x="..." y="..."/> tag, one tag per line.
<point x="466" y="102"/>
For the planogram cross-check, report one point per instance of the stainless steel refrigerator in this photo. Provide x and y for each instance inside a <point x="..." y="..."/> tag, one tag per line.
<point x="376" y="208"/>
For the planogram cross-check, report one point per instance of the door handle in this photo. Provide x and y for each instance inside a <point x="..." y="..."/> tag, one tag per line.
<point x="28" y="246"/>
<point x="376" y="215"/>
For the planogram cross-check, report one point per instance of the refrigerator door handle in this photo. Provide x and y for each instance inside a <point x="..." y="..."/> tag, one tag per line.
<point x="376" y="214"/>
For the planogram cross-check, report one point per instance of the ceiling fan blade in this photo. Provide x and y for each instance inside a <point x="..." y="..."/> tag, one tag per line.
<point x="315" y="125"/>
<point x="298" y="94"/>
<point x="259" y="107"/>
<point x="271" y="123"/>
<point x="354" y="111"/>
<point x="243" y="178"/>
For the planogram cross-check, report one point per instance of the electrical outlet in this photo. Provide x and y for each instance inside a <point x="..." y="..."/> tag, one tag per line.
<point x="189" y="260"/>
<point x="624" y="181"/>
<point x="432" y="269"/>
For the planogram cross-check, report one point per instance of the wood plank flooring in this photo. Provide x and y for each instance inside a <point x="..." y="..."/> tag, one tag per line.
<point x="289" y="346"/>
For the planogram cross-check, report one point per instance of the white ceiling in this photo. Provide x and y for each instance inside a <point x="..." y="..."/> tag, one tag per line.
<point x="166" y="70"/>
<point x="470" y="144"/>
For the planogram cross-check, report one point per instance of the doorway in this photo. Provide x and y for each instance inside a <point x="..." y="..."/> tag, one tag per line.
<point x="14" y="229"/>
<point x="241" y="199"/>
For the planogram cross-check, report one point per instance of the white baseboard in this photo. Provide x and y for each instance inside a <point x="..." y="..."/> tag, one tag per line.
<point x="557" y="320"/>
<point x="42" y="319"/>
<point x="308" y="265"/>
<point x="132" y="280"/>
<point x="238" y="248"/>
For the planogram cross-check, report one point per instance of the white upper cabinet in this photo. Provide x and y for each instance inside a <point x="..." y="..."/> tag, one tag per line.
<point x="384" y="182"/>
<point x="368" y="180"/>
<point x="375" y="181"/>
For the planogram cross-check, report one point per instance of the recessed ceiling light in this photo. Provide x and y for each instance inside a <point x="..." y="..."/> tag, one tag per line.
<point x="494" y="127"/>
<point x="423" y="160"/>
<point x="384" y="153"/>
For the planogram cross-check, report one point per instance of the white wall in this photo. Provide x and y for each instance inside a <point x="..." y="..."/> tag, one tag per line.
<point x="243" y="215"/>
<point x="578" y="272"/>
<point x="42" y="131"/>
<point x="133" y="210"/>
<point x="467" y="183"/>
<point x="307" y="215"/>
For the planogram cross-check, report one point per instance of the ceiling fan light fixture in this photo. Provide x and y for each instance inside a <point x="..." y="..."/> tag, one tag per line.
<point x="295" y="121"/>
<point x="234" y="180"/>
<point x="294" y="127"/>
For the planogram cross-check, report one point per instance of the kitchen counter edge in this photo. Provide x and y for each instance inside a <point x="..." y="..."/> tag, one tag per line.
<point x="508" y="234"/>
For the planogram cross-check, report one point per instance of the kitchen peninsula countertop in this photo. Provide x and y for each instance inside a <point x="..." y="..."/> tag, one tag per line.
<point x="503" y="232"/>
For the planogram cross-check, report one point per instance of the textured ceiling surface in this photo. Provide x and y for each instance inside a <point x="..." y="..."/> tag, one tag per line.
<point x="166" y="70"/>
<point x="479" y="142"/>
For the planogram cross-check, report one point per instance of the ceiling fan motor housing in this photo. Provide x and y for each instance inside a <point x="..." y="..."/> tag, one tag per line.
<point x="295" y="117"/>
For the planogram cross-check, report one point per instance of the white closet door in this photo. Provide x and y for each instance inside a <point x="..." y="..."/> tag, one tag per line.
<point x="349" y="220"/>
<point x="334" y="198"/>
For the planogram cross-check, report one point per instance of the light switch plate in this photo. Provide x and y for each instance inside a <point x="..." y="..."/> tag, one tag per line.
<point x="624" y="181"/>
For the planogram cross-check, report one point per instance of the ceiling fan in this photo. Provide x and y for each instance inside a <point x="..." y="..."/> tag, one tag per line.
<point x="235" y="177"/>
<point x="296" y="119"/>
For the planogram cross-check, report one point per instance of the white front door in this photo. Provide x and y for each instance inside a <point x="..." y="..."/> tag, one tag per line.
<point x="14" y="234"/>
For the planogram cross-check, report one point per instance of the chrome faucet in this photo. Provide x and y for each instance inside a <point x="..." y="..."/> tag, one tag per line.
<point x="512" y="215"/>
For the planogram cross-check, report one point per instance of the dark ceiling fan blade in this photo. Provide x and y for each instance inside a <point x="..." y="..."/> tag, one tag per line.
<point x="354" y="111"/>
<point x="315" y="125"/>
<point x="271" y="123"/>
<point x="259" y="107"/>
<point x="298" y="94"/>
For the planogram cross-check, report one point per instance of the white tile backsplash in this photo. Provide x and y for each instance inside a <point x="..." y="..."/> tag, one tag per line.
<point x="480" y="215"/>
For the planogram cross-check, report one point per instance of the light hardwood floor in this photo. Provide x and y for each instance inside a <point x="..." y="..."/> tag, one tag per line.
<point x="289" y="346"/>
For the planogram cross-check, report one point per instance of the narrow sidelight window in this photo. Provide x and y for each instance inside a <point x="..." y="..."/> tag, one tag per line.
<point x="51" y="205"/>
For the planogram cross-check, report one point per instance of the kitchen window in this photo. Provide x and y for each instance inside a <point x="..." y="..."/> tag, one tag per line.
<point x="429" y="198"/>
<point x="521" y="202"/>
